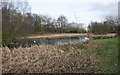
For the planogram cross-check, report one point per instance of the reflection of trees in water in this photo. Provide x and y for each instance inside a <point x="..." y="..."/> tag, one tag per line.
<point x="55" y="41"/>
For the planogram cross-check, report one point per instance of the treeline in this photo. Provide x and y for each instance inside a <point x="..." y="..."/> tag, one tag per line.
<point x="45" y="24"/>
<point x="17" y="20"/>
<point x="110" y="25"/>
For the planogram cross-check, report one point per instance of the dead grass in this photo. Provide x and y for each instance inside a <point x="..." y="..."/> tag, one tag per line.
<point x="48" y="58"/>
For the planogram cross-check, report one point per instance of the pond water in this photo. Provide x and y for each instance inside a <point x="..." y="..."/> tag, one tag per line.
<point x="54" y="41"/>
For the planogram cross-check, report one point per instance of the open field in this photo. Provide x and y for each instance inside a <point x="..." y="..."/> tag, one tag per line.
<point x="93" y="56"/>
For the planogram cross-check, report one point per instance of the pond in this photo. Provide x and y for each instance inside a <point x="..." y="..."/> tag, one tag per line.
<point x="46" y="41"/>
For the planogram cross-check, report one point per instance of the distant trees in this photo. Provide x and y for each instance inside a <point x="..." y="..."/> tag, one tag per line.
<point x="62" y="22"/>
<point x="111" y="24"/>
<point x="108" y="26"/>
<point x="75" y="28"/>
<point x="36" y="26"/>
<point x="96" y="28"/>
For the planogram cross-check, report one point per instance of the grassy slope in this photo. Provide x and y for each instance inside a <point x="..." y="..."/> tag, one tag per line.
<point x="107" y="54"/>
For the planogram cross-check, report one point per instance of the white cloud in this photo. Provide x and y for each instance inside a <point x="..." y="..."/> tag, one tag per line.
<point x="86" y="10"/>
<point x="80" y="1"/>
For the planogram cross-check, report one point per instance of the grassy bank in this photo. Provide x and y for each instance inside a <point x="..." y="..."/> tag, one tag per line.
<point x="107" y="54"/>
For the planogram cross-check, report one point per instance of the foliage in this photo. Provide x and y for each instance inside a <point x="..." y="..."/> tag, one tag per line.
<point x="108" y="26"/>
<point x="62" y="21"/>
<point x="13" y="20"/>
<point x="37" y="26"/>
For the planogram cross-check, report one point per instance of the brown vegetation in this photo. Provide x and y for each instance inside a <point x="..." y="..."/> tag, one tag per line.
<point x="105" y="36"/>
<point x="48" y="58"/>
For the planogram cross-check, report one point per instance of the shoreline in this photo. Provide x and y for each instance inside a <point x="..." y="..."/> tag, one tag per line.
<point x="52" y="36"/>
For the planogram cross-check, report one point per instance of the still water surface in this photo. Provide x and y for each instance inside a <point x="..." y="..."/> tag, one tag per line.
<point x="55" y="41"/>
<point x="41" y="41"/>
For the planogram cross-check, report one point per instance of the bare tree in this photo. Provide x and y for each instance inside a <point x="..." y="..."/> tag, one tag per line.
<point x="13" y="17"/>
<point x="62" y="21"/>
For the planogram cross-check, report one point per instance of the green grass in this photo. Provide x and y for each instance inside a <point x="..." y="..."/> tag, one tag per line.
<point x="107" y="54"/>
<point x="109" y="41"/>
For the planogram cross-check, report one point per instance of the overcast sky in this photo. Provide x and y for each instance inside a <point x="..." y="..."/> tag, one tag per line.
<point x="84" y="10"/>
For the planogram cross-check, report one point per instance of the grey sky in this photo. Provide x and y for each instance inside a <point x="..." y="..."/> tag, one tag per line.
<point x="85" y="10"/>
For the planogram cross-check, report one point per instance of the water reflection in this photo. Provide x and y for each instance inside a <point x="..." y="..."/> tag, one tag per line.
<point x="55" y="41"/>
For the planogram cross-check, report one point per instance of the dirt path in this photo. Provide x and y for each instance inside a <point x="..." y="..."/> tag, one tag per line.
<point x="70" y="35"/>
<point x="55" y="36"/>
